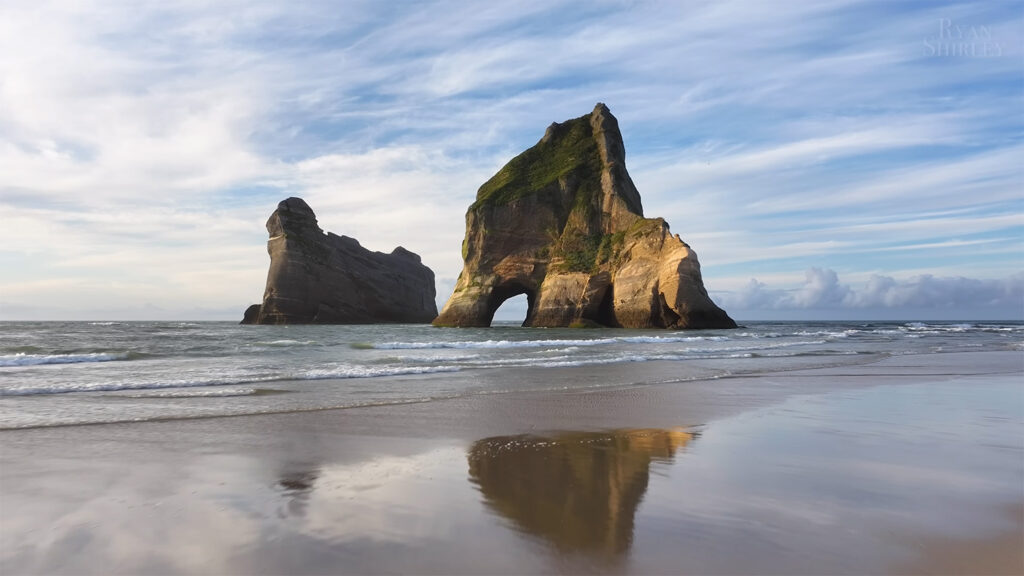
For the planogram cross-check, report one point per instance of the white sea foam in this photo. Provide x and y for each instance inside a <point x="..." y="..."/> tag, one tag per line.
<point x="72" y="387"/>
<point x="565" y="350"/>
<point x="348" y="371"/>
<point x="670" y="339"/>
<point x="518" y="361"/>
<point x="213" y="393"/>
<point x="22" y="359"/>
<point x="436" y="358"/>
<point x="626" y="358"/>
<point x="470" y="344"/>
<point x="938" y="328"/>
<point x="752" y="347"/>
<point x="827" y="333"/>
<point x="595" y="361"/>
<point x="568" y="358"/>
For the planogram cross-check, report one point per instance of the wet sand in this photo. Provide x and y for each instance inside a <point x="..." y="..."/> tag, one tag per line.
<point x="911" y="464"/>
<point x="996" y="555"/>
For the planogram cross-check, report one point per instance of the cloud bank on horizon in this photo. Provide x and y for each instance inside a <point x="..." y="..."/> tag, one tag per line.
<point x="833" y="159"/>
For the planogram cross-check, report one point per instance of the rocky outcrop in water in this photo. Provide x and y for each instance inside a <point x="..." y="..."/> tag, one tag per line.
<point x="318" y="278"/>
<point x="563" y="223"/>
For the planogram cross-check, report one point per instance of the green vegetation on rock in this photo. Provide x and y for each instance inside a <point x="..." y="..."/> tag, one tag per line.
<point x="588" y="253"/>
<point x="578" y="253"/>
<point x="610" y="247"/>
<point x="569" y="149"/>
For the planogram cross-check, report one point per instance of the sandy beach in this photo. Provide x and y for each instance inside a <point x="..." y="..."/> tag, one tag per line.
<point x="908" y="464"/>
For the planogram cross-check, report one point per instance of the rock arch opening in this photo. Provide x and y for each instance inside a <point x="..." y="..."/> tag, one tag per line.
<point x="516" y="302"/>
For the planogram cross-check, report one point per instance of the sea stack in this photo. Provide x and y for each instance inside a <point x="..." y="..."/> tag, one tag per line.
<point x="323" y="278"/>
<point x="562" y="223"/>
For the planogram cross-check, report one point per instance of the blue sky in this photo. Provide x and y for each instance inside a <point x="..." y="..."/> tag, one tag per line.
<point x="826" y="159"/>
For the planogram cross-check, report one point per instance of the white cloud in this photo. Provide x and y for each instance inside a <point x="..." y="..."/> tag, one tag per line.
<point x="822" y="289"/>
<point x="941" y="292"/>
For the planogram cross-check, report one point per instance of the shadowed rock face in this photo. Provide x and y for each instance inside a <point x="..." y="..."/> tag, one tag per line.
<point x="563" y="223"/>
<point x="318" y="278"/>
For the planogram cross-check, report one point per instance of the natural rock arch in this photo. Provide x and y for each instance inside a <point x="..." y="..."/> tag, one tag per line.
<point x="501" y="294"/>
<point x="563" y="222"/>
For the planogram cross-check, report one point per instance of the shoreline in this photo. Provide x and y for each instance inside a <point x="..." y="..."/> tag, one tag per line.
<point x="564" y="379"/>
<point x="299" y="492"/>
<point x="659" y="373"/>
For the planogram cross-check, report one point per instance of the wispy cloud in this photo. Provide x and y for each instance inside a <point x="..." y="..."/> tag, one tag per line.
<point x="143" y="147"/>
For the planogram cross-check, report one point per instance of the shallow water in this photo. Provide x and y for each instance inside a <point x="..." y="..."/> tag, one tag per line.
<point x="856" y="481"/>
<point x="86" y="372"/>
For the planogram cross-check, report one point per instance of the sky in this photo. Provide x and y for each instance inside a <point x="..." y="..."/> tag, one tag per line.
<point x="825" y="159"/>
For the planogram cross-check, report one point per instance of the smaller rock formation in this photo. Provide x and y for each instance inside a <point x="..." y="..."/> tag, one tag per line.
<point x="318" y="278"/>
<point x="563" y="223"/>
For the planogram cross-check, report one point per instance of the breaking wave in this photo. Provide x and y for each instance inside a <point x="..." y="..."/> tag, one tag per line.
<point x="23" y="359"/>
<point x="472" y="344"/>
<point x="337" y="372"/>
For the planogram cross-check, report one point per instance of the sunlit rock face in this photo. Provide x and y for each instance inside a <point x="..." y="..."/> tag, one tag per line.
<point x="579" y="491"/>
<point x="563" y="223"/>
<point x="323" y="278"/>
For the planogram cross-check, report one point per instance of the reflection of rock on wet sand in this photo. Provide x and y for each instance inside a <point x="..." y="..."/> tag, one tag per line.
<point x="295" y="486"/>
<point x="579" y="491"/>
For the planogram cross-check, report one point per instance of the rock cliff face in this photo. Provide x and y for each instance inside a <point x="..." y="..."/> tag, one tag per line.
<point x="318" y="278"/>
<point x="562" y="223"/>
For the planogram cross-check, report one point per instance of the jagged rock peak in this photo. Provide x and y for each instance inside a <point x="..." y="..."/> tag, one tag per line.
<point x="292" y="214"/>
<point x="318" y="278"/>
<point x="587" y="151"/>
<point x="563" y="223"/>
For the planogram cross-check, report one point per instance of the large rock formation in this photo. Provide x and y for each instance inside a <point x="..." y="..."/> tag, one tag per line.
<point x="562" y="223"/>
<point x="318" y="278"/>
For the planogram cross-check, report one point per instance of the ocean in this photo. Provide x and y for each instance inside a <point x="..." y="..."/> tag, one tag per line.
<point x="62" y="373"/>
